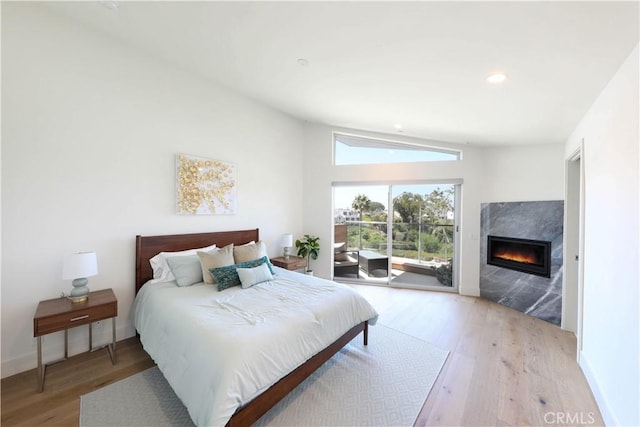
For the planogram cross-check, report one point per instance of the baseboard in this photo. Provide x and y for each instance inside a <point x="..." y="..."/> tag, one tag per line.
<point x="53" y="348"/>
<point x="469" y="292"/>
<point x="607" y="415"/>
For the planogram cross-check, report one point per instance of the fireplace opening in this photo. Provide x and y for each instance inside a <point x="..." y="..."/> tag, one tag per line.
<point x="527" y="256"/>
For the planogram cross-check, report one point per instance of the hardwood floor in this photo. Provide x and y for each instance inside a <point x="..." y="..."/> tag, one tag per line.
<point x="59" y="403"/>
<point x="504" y="368"/>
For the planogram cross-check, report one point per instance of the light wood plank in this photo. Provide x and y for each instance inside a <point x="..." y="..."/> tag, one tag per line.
<point x="505" y="368"/>
<point x="59" y="403"/>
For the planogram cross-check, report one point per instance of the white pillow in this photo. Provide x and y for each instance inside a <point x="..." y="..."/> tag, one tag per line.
<point x="186" y="269"/>
<point x="253" y="276"/>
<point x="161" y="270"/>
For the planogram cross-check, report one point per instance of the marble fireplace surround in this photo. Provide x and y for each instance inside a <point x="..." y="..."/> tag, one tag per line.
<point x="537" y="296"/>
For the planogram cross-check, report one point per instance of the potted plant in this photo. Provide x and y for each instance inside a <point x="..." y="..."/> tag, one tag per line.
<point x="444" y="274"/>
<point x="308" y="247"/>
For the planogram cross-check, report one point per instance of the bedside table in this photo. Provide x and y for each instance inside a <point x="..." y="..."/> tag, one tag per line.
<point x="293" y="263"/>
<point x="61" y="314"/>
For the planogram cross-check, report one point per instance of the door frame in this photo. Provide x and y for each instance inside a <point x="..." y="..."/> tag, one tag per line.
<point x="573" y="278"/>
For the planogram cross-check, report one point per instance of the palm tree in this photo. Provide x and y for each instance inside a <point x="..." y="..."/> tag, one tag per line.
<point x="361" y="203"/>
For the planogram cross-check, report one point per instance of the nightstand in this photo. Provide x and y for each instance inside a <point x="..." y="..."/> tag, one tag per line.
<point x="293" y="263"/>
<point x="61" y="314"/>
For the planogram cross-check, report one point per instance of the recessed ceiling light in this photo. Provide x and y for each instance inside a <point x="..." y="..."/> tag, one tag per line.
<point x="398" y="127"/>
<point x="497" y="78"/>
<point x="303" y="62"/>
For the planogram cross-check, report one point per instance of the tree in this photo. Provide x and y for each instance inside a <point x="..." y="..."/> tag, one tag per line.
<point x="408" y="206"/>
<point x="430" y="243"/>
<point x="379" y="217"/>
<point x="437" y="205"/>
<point x="376" y="207"/>
<point x="361" y="203"/>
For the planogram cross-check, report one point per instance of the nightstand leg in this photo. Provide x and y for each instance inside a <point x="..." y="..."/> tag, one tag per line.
<point x="90" y="336"/>
<point x="66" y="344"/>
<point x="114" y="359"/>
<point x="112" y="347"/>
<point x="40" y="366"/>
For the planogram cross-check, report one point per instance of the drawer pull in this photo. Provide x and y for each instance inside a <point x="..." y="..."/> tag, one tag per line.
<point x="75" y="319"/>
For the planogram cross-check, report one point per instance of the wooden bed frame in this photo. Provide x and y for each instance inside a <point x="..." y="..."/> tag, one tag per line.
<point x="149" y="246"/>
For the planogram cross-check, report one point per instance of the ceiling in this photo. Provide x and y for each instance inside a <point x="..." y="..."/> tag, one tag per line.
<point x="376" y="65"/>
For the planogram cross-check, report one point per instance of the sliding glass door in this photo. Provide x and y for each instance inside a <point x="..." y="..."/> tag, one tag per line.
<point x="411" y="244"/>
<point x="361" y="216"/>
<point x="423" y="235"/>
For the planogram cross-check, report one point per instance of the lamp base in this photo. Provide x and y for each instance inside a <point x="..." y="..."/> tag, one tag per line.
<point x="80" y="291"/>
<point x="77" y="300"/>
<point x="286" y="252"/>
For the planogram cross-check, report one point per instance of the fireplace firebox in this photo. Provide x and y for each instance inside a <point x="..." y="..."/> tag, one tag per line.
<point x="525" y="255"/>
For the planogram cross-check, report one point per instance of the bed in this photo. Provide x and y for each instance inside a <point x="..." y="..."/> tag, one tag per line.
<point x="269" y="347"/>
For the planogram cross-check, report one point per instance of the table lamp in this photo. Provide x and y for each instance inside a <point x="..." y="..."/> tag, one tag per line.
<point x="287" y="242"/>
<point x="78" y="267"/>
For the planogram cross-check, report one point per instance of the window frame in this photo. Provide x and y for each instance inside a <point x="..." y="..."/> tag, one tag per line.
<point x="390" y="144"/>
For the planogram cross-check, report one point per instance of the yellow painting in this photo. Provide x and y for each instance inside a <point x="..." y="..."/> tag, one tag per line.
<point x="205" y="186"/>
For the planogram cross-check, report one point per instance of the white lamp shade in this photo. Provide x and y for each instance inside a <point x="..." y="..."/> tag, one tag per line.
<point x="80" y="265"/>
<point x="287" y="240"/>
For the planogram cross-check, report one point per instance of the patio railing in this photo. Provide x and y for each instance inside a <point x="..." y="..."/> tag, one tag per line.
<point x="418" y="248"/>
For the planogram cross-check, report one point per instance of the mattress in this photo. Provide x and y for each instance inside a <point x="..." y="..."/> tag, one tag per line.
<point x="219" y="350"/>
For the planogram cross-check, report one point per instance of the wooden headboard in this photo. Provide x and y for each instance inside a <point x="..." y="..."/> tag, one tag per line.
<point x="149" y="246"/>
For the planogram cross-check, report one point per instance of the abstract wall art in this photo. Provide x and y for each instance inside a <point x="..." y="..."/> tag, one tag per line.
<point x="205" y="186"/>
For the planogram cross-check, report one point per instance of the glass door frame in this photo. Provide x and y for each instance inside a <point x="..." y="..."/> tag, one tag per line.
<point x="457" y="184"/>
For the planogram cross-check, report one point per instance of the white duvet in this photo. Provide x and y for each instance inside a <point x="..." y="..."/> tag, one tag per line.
<point x="219" y="350"/>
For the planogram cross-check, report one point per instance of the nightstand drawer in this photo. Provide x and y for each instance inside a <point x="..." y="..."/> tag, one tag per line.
<point x="84" y="316"/>
<point x="297" y="264"/>
<point x="291" y="263"/>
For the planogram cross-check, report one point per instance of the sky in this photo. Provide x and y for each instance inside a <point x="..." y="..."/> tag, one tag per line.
<point x="347" y="155"/>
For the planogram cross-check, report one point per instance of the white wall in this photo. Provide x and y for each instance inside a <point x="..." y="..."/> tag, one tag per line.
<point x="91" y="128"/>
<point x="523" y="173"/>
<point x="488" y="174"/>
<point x="610" y="352"/>
<point x="90" y="131"/>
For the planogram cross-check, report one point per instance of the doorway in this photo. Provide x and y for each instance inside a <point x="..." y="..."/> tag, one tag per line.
<point x="574" y="236"/>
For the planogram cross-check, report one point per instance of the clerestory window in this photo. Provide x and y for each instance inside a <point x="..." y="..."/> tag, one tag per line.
<point x="359" y="150"/>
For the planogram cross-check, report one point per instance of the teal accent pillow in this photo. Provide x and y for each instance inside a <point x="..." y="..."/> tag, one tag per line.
<point x="227" y="276"/>
<point x="186" y="269"/>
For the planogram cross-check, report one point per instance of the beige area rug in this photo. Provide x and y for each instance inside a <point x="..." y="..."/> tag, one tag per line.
<point x="382" y="384"/>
